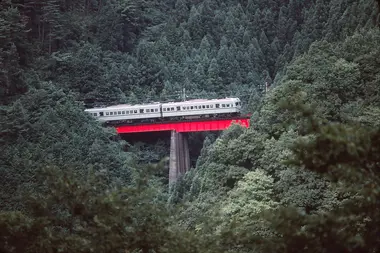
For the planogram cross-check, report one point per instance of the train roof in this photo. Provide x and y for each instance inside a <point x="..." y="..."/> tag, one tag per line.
<point x="204" y="100"/>
<point x="188" y="102"/>
<point x="121" y="106"/>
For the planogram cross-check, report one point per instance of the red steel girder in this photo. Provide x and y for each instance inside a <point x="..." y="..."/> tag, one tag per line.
<point x="193" y="126"/>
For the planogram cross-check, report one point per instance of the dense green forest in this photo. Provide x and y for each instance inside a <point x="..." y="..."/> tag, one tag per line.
<point x="303" y="178"/>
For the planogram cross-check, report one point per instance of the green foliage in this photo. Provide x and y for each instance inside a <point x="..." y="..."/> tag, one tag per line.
<point x="92" y="73"/>
<point x="251" y="196"/>
<point x="46" y="127"/>
<point x="241" y="197"/>
<point x="13" y="51"/>
<point x="84" y="215"/>
<point x="348" y="155"/>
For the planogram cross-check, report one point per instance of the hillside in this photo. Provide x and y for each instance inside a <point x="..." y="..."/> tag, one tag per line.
<point x="303" y="177"/>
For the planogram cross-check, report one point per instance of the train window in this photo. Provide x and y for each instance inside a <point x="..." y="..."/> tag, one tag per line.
<point x="156" y="110"/>
<point x="203" y="106"/>
<point x="111" y="113"/>
<point x="217" y="105"/>
<point x="178" y="108"/>
<point x="191" y="107"/>
<point x="223" y="105"/>
<point x="228" y="105"/>
<point x="119" y="112"/>
<point x="172" y="108"/>
<point x="183" y="107"/>
<point x="164" y="109"/>
<point x="101" y="114"/>
<point x="107" y="113"/>
<point x="207" y="106"/>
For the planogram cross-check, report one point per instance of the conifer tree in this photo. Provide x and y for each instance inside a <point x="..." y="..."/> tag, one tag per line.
<point x="225" y="63"/>
<point x="181" y="11"/>
<point x="229" y="27"/>
<point x="240" y="35"/>
<point x="205" y="47"/>
<point x="194" y="25"/>
<point x="213" y="78"/>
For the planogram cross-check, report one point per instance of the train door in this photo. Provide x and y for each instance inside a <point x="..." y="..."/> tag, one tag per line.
<point x="160" y="108"/>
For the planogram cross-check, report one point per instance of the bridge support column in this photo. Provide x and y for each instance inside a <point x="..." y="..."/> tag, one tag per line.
<point x="179" y="161"/>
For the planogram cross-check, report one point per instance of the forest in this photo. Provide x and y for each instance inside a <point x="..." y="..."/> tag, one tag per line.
<point x="304" y="177"/>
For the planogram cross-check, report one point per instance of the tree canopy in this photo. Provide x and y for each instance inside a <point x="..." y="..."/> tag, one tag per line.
<point x="303" y="177"/>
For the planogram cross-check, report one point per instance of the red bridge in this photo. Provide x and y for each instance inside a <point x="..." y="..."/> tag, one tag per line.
<point x="179" y="161"/>
<point x="181" y="127"/>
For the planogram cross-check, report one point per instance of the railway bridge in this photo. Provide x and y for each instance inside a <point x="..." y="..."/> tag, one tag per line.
<point x="179" y="161"/>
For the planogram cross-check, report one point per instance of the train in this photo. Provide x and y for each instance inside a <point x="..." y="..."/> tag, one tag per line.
<point x="170" y="111"/>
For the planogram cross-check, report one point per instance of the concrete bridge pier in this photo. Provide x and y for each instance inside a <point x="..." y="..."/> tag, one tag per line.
<point x="179" y="161"/>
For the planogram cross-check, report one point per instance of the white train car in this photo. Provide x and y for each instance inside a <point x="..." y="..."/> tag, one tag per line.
<point x="168" y="111"/>
<point x="201" y="108"/>
<point x="126" y="112"/>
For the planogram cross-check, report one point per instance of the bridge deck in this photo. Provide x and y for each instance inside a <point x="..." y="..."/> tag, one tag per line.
<point x="192" y="126"/>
